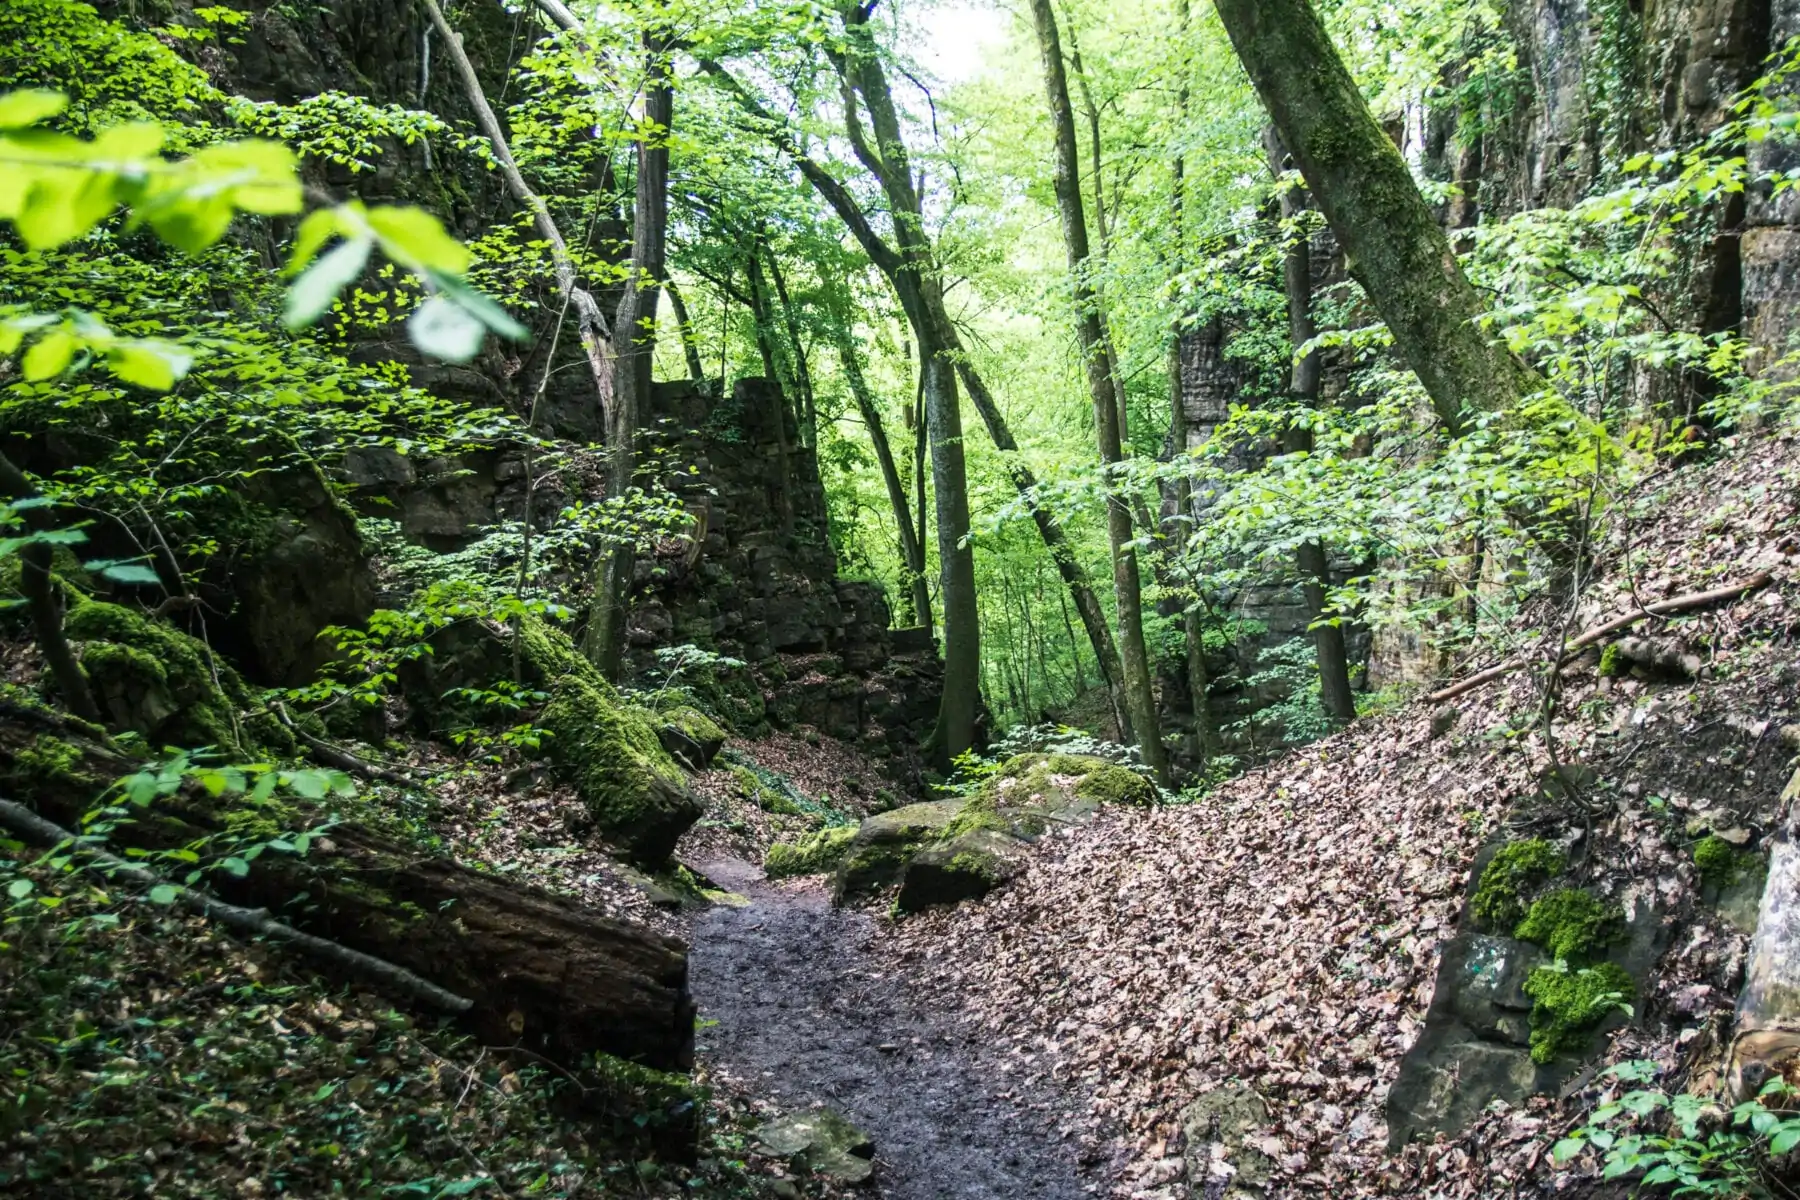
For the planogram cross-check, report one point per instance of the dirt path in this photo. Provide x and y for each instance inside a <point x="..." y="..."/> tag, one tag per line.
<point x="808" y="1015"/>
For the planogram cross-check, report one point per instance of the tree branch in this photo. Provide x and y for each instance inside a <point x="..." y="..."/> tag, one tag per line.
<point x="254" y="921"/>
<point x="596" y="334"/>
<point x="1661" y="608"/>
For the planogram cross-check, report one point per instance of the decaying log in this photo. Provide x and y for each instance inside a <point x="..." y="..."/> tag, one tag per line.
<point x="1662" y="608"/>
<point x="257" y="922"/>
<point x="541" y="972"/>
<point x="1767" y="1044"/>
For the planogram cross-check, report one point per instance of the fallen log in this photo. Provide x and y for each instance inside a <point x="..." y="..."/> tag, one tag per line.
<point x="540" y="972"/>
<point x="257" y="922"/>
<point x="1662" y="608"/>
<point x="1767" y="1040"/>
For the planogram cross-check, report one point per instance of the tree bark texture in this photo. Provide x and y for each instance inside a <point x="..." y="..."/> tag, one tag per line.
<point x="1394" y="245"/>
<point x="1767" y="1043"/>
<point x="1140" y="699"/>
<point x="634" y="349"/>
<point x="541" y="973"/>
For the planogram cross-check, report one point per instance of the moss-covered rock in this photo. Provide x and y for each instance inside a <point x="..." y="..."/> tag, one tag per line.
<point x="634" y="792"/>
<point x="813" y="854"/>
<point x="1516" y="869"/>
<point x="1718" y="861"/>
<point x="690" y="736"/>
<point x="965" y="867"/>
<point x="153" y="679"/>
<point x="1111" y="784"/>
<point x="1570" y="1003"/>
<point x="884" y="843"/>
<point x="1572" y="924"/>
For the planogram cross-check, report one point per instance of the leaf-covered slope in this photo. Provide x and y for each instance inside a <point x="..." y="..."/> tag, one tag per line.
<point x="1285" y="931"/>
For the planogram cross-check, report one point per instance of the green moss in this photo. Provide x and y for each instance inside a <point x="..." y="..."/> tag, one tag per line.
<point x="766" y="798"/>
<point x="1517" y="867"/>
<point x="979" y="813"/>
<point x="1611" y="661"/>
<point x="158" y="681"/>
<point x="980" y="864"/>
<point x="694" y="724"/>
<point x="1572" y="924"/>
<point x="47" y="763"/>
<point x="1568" y="1004"/>
<point x="811" y="855"/>
<point x="1116" y="785"/>
<point x="1718" y="861"/>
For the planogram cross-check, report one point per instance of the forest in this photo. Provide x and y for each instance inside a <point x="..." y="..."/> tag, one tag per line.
<point x="911" y="598"/>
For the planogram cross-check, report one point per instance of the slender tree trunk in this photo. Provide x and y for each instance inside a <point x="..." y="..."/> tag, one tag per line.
<point x="1134" y="655"/>
<point x="1395" y="247"/>
<point x="920" y="289"/>
<point x="595" y="335"/>
<point x="955" y="731"/>
<point x="809" y="413"/>
<point x="690" y="349"/>
<point x="634" y="349"/>
<point x="921" y="449"/>
<point x="1312" y="558"/>
<point x="919" y="313"/>
<point x="1074" y="646"/>
<point x="912" y="550"/>
<point x="1199" y="686"/>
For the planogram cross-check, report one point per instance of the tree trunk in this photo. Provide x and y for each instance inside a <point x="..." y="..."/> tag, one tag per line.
<point x="920" y="290"/>
<point x="543" y="973"/>
<point x="1140" y="699"/>
<point x="1395" y="247"/>
<point x="809" y="412"/>
<point x="1312" y="559"/>
<point x="893" y="264"/>
<point x="912" y="550"/>
<point x="1767" y="1043"/>
<point x="634" y="349"/>
<point x="954" y="734"/>
<point x="690" y="349"/>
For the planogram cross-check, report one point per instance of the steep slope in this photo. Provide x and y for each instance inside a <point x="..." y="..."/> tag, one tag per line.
<point x="1276" y="943"/>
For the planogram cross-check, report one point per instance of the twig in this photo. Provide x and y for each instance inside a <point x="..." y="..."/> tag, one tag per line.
<point x="1661" y="608"/>
<point x="337" y="756"/>
<point x="254" y="921"/>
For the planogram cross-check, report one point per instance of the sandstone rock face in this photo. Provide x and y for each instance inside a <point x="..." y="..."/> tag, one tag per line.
<point x="885" y="842"/>
<point x="965" y="867"/>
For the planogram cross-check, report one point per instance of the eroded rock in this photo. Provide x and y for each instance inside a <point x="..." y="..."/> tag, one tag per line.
<point x="885" y="842"/>
<point x="822" y="1141"/>
<point x="965" y="867"/>
<point x="1223" y="1158"/>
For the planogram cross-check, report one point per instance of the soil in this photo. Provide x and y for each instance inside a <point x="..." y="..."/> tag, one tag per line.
<point x="808" y="1015"/>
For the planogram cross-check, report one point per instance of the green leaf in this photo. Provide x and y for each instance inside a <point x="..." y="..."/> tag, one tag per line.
<point x="29" y="106"/>
<point x="18" y="889"/>
<point x="235" y="867"/>
<point x="444" y="329"/>
<point x="128" y="573"/>
<point x="1566" y="1149"/>
<point x="313" y="292"/>
<point x="1785" y="1139"/>
<point x="162" y="893"/>
<point x="319" y="227"/>
<point x="50" y="355"/>
<point x="414" y="238"/>
<point x="154" y="365"/>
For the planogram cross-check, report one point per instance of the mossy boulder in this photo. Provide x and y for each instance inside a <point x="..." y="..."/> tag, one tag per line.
<point x="820" y="1142"/>
<point x="690" y="736"/>
<point x="884" y="843"/>
<point x="635" y="794"/>
<point x="1513" y="873"/>
<point x="813" y="854"/>
<point x="965" y="867"/>
<point x="155" y="680"/>
<point x="1033" y="793"/>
